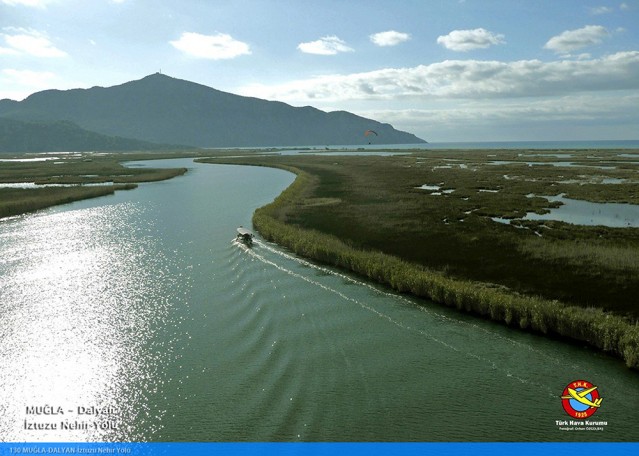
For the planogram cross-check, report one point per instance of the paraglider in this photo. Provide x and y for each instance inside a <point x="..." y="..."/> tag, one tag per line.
<point x="370" y="132"/>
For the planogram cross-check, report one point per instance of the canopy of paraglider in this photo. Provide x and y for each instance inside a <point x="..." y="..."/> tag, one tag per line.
<point x="369" y="133"/>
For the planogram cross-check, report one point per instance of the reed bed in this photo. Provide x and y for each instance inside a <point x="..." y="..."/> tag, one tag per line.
<point x="576" y="252"/>
<point x="378" y="203"/>
<point x="603" y="330"/>
<point x="20" y="201"/>
<point x="81" y="169"/>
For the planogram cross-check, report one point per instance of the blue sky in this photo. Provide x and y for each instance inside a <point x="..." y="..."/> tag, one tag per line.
<point x="446" y="70"/>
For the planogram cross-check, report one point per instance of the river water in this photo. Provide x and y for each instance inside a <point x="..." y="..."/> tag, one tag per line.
<point x="135" y="317"/>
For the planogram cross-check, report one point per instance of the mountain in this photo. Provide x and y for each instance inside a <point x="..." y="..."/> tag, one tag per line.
<point x="162" y="109"/>
<point x="59" y="136"/>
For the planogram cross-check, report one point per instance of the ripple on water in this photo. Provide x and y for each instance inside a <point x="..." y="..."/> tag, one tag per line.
<point x="194" y="338"/>
<point x="76" y="281"/>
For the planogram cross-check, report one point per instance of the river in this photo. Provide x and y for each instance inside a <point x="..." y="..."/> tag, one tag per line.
<point x="134" y="317"/>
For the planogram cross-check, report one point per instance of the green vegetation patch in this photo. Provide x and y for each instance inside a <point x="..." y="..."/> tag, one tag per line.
<point x="440" y="242"/>
<point x="75" y="172"/>
<point x="19" y="201"/>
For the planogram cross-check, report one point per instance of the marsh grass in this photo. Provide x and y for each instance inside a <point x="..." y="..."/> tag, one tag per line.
<point x="76" y="171"/>
<point x="375" y="203"/>
<point x="610" y="333"/>
<point x="20" y="201"/>
<point x="624" y="259"/>
<point x="70" y="171"/>
<point x="445" y="248"/>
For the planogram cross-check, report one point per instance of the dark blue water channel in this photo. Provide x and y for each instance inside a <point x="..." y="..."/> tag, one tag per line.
<point x="135" y="317"/>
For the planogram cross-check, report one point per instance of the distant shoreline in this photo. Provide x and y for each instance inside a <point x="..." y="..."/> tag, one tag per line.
<point x="73" y="178"/>
<point x="561" y="146"/>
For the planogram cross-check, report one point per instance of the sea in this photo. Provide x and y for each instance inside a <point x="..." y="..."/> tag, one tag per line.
<point x="545" y="145"/>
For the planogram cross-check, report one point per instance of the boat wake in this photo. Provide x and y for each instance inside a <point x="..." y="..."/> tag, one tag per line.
<point x="265" y="250"/>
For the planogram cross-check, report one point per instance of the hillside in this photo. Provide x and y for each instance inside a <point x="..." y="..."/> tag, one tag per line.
<point x="166" y="110"/>
<point x="19" y="136"/>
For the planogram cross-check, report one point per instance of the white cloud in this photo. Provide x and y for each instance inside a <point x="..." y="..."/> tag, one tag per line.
<point x="328" y="45"/>
<point x="558" y="117"/>
<point x="624" y="7"/>
<point x="30" y="42"/>
<point x="28" y="78"/>
<point x="8" y="51"/>
<point x="469" y="79"/>
<point x="468" y="40"/>
<point x="571" y="40"/>
<point x="568" y="108"/>
<point x="597" y="10"/>
<point x="214" y="47"/>
<point x="389" y="38"/>
<point x="30" y="3"/>
<point x="18" y="84"/>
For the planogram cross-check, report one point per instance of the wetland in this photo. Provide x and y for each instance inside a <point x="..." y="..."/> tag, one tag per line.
<point x="466" y="228"/>
<point x="29" y="182"/>
<point x="140" y="301"/>
<point x="430" y="214"/>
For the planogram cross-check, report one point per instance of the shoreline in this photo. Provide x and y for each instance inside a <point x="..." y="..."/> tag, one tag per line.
<point x="70" y="176"/>
<point x="602" y="330"/>
<point x="26" y="201"/>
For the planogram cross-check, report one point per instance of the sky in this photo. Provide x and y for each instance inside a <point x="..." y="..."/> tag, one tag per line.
<point x="445" y="70"/>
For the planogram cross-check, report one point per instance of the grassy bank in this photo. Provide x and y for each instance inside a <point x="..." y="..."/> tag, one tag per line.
<point x="19" y="201"/>
<point x="76" y="171"/>
<point x="595" y="327"/>
<point x="379" y="203"/>
<point x="366" y="215"/>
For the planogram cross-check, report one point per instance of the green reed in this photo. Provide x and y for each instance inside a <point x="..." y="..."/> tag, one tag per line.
<point x="603" y="330"/>
<point x="19" y="201"/>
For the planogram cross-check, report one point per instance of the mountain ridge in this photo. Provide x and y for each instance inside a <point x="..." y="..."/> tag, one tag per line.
<point x="17" y="136"/>
<point x="162" y="109"/>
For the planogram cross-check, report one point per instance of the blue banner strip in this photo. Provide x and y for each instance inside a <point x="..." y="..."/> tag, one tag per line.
<point x="319" y="449"/>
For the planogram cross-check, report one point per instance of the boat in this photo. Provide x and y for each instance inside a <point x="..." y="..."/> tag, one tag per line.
<point x="244" y="236"/>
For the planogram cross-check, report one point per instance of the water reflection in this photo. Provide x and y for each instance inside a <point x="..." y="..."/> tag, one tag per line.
<point x="141" y="302"/>
<point x="557" y="164"/>
<point x="578" y="212"/>
<point x="75" y="323"/>
<point x="25" y="185"/>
